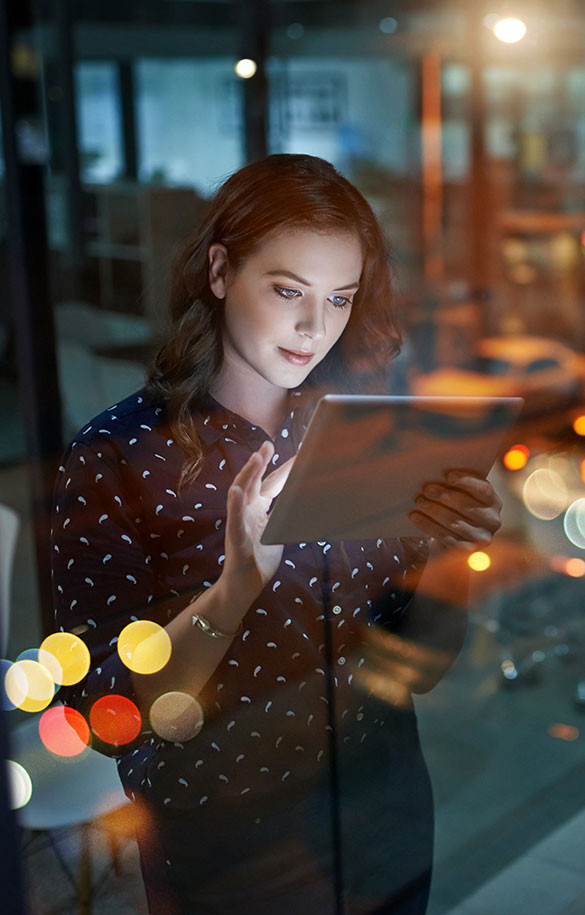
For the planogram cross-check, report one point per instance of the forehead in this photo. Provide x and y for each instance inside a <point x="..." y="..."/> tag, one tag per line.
<point x="310" y="253"/>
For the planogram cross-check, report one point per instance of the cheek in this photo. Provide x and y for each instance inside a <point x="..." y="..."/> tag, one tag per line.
<point x="341" y="322"/>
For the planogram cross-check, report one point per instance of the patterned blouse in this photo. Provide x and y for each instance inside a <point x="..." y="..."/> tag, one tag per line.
<point x="127" y="545"/>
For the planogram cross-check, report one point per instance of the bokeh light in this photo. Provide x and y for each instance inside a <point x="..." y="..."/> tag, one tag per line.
<point x="144" y="646"/>
<point x="479" y="561"/>
<point x="69" y="656"/>
<point x="295" y="30"/>
<point x="64" y="731"/>
<point x="176" y="716"/>
<point x="510" y="29"/>
<point x="245" y="68"/>
<point x="115" y="719"/>
<point x="7" y="704"/>
<point x="572" y="566"/>
<point x="563" y="731"/>
<point x="574" y="523"/>
<point x="575" y="567"/>
<point x="516" y="457"/>
<point x="29" y="685"/>
<point x="388" y="25"/>
<point x="545" y="494"/>
<point x="20" y="784"/>
<point x="579" y="425"/>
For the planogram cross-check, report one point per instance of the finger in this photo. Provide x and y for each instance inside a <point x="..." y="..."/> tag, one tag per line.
<point x="252" y="469"/>
<point x="460" y="504"/>
<point x="478" y="487"/>
<point x="273" y="483"/>
<point x="433" y="529"/>
<point x="452" y="524"/>
<point x="235" y="527"/>
<point x="266" y="452"/>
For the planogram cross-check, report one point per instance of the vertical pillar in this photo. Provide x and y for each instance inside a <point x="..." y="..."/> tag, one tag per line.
<point x="432" y="170"/>
<point x="126" y="87"/>
<point x="24" y="156"/>
<point x="480" y="221"/>
<point x="254" y="40"/>
<point x="74" y="254"/>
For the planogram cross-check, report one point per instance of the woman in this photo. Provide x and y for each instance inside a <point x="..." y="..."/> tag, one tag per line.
<point x="300" y="786"/>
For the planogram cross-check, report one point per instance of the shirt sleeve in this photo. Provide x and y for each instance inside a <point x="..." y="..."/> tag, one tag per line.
<point x="102" y="575"/>
<point x="404" y="562"/>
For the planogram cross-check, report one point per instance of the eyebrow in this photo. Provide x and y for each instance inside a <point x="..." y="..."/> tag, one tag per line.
<point x="299" y="279"/>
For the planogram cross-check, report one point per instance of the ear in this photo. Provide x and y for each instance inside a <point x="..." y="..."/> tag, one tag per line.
<point x="218" y="268"/>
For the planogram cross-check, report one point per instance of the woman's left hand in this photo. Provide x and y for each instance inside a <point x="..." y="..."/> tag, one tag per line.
<point x="462" y="511"/>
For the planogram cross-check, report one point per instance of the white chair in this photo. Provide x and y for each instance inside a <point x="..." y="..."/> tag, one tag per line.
<point x="67" y="793"/>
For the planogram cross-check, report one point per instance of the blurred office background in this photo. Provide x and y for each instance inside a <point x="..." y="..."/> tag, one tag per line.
<point x="467" y="135"/>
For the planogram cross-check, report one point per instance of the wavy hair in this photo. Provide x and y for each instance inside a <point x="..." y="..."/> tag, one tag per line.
<point x="280" y="192"/>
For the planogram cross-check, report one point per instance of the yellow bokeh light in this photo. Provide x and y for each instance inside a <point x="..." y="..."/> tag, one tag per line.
<point x="479" y="561"/>
<point x="29" y="686"/>
<point x="579" y="425"/>
<point x="69" y="653"/>
<point x="582" y="470"/>
<point x="245" y="68"/>
<point x="516" y="457"/>
<point x="20" y="784"/>
<point x="176" y="716"/>
<point x="144" y="646"/>
<point x="510" y="29"/>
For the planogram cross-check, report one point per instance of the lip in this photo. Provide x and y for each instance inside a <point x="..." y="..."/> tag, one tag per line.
<point x="295" y="357"/>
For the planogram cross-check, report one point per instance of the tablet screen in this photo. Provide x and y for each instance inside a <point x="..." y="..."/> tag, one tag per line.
<point x="364" y="460"/>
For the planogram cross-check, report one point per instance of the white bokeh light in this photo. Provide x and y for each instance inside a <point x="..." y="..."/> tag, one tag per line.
<point x="574" y="523"/>
<point x="510" y="30"/>
<point x="545" y="494"/>
<point x="245" y="68"/>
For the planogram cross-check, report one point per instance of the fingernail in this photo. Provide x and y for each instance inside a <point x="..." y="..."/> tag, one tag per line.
<point x="432" y="491"/>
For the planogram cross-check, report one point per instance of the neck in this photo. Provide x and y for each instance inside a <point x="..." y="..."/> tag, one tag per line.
<point x="261" y="403"/>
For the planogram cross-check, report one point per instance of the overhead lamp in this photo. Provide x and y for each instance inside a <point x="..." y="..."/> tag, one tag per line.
<point x="509" y="29"/>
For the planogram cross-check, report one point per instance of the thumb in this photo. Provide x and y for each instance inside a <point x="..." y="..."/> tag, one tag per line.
<point x="273" y="483"/>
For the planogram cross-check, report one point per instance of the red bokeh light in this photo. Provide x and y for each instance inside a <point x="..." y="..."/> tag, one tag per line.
<point x="115" y="719"/>
<point x="64" y="731"/>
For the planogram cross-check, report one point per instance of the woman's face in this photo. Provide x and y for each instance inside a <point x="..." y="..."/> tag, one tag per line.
<point x="286" y="305"/>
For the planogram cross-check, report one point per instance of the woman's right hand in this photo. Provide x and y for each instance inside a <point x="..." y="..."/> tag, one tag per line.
<point x="248" y="563"/>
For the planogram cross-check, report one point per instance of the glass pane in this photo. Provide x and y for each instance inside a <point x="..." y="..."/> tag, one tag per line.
<point x="190" y="119"/>
<point x="98" y="113"/>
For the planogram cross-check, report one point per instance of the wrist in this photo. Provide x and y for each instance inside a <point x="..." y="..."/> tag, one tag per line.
<point x="224" y="604"/>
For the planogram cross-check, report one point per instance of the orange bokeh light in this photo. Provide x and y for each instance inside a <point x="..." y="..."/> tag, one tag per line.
<point x="115" y="719"/>
<point x="516" y="457"/>
<point x="574" y="567"/>
<point x="563" y="731"/>
<point x="64" y="731"/>
<point x="579" y="425"/>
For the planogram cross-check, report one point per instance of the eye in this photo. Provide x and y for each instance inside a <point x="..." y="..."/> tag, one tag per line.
<point x="340" y="301"/>
<point x="286" y="293"/>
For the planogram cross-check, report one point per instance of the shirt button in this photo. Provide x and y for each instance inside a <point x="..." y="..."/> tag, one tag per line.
<point x="337" y="609"/>
<point x="341" y="660"/>
<point x="360" y="716"/>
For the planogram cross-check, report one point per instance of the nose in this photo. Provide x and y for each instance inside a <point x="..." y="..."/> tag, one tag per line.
<point x="311" y="323"/>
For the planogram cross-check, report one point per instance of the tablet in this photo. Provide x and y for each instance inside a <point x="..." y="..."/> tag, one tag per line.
<point x="363" y="461"/>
